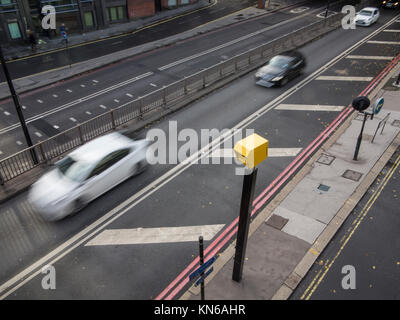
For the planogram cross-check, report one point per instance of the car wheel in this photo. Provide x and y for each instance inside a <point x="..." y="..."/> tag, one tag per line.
<point x="139" y="168"/>
<point x="79" y="204"/>
<point x="283" y="82"/>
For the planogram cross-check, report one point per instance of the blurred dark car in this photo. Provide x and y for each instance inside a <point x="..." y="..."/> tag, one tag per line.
<point x="391" y="4"/>
<point x="280" y="69"/>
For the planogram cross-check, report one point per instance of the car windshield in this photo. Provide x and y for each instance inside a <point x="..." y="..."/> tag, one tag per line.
<point x="72" y="169"/>
<point x="280" y="62"/>
<point x="365" y="13"/>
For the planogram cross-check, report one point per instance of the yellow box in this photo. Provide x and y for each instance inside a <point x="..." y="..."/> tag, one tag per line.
<point x="252" y="150"/>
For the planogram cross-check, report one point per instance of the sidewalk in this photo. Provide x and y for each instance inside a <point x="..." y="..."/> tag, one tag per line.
<point x="51" y="76"/>
<point x="287" y="236"/>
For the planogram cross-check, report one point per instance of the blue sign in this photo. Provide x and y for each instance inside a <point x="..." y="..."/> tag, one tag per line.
<point x="202" y="268"/>
<point x="64" y="34"/>
<point x="378" y="105"/>
<point x="204" y="276"/>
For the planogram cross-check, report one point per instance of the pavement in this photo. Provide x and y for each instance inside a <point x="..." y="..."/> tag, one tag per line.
<point x="45" y="78"/>
<point x="288" y="236"/>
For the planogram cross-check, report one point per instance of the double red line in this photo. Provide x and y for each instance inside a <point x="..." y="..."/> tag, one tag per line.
<point x="183" y="278"/>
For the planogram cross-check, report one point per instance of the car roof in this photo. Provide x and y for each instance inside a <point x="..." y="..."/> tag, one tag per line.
<point x="98" y="148"/>
<point x="369" y="9"/>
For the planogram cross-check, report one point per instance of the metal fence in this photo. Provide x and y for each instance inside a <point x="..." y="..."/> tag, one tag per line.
<point x="55" y="146"/>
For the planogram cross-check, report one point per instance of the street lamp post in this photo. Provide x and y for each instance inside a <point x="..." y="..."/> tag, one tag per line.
<point x="17" y="106"/>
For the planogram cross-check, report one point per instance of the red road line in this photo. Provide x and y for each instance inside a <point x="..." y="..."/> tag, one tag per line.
<point x="291" y="168"/>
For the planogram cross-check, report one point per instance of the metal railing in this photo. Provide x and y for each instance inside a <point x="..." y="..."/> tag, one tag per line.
<point x="55" y="146"/>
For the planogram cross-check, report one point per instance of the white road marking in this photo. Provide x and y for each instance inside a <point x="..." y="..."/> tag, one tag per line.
<point x="116" y="100"/>
<point x="95" y="81"/>
<point x="272" y="152"/>
<point x="384" y="42"/>
<point x="341" y="78"/>
<point x="30" y="272"/>
<point x="308" y="107"/>
<point x="19" y="142"/>
<point x="369" y="57"/>
<point x="88" y="112"/>
<point x="23" y="107"/>
<point x="72" y="119"/>
<point x="83" y="86"/>
<point x="69" y="90"/>
<point x="7" y="113"/>
<point x="38" y="134"/>
<point x="55" y="96"/>
<point x="40" y="101"/>
<point x="153" y="85"/>
<point x="129" y="95"/>
<point x="227" y="44"/>
<point x="154" y="235"/>
<point x="102" y="106"/>
<point x="1" y="152"/>
<point x="391" y="30"/>
<point x="73" y="103"/>
<point x="56" y="127"/>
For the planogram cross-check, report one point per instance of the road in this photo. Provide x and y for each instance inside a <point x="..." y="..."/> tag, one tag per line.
<point x="184" y="195"/>
<point x="61" y="106"/>
<point x="368" y="242"/>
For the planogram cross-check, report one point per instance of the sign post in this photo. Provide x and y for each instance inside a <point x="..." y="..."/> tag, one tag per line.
<point x="251" y="151"/>
<point x="360" y="104"/>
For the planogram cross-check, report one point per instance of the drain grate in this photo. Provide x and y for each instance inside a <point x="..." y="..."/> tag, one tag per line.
<point x="352" y="175"/>
<point x="277" y="222"/>
<point x="396" y="123"/>
<point x="326" y="159"/>
<point x="323" y="187"/>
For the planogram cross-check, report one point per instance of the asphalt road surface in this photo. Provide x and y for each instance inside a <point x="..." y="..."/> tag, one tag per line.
<point x="184" y="195"/>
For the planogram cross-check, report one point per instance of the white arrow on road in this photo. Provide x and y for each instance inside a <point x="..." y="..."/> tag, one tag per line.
<point x="154" y="235"/>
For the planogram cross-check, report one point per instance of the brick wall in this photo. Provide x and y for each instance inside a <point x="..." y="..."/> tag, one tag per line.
<point x="140" y="8"/>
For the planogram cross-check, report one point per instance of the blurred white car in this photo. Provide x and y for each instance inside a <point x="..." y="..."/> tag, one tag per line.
<point x="86" y="173"/>
<point x="367" y="16"/>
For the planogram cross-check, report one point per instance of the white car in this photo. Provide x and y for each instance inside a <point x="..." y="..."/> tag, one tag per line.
<point x="367" y="16"/>
<point x="86" y="173"/>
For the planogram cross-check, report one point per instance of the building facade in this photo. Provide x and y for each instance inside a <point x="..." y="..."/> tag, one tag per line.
<point x="18" y="16"/>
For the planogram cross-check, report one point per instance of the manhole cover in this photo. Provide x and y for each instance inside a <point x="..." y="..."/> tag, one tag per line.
<point x="276" y="221"/>
<point x="396" y="123"/>
<point x="326" y="159"/>
<point x="323" y="187"/>
<point x="352" y="175"/>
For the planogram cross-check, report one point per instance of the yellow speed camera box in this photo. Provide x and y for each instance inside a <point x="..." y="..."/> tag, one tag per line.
<point x="252" y="150"/>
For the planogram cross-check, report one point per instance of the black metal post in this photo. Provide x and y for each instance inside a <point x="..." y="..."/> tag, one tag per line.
<point x="398" y="80"/>
<point x="327" y="9"/>
<point x="360" y="137"/>
<point x="17" y="106"/>
<point x="249" y="182"/>
<point x="201" y="262"/>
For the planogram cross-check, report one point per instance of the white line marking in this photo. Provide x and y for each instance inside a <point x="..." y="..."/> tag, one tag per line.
<point x="116" y="100"/>
<point x="75" y="241"/>
<point x="7" y="113"/>
<point x="391" y="30"/>
<point x="341" y="78"/>
<point x="308" y="107"/>
<point x="55" y="96"/>
<point x="69" y="90"/>
<point x="40" y="101"/>
<point x="88" y="112"/>
<point x="19" y="142"/>
<point x="369" y="57"/>
<point x="72" y="119"/>
<point x="56" y="127"/>
<point x="154" y="235"/>
<point x="38" y="134"/>
<point x="83" y="86"/>
<point x="129" y="95"/>
<point x="384" y="42"/>
<point x="102" y="106"/>
<point x="95" y="81"/>
<point x="272" y="152"/>
<point x="70" y="104"/>
<point x="23" y="107"/>
<point x="153" y="85"/>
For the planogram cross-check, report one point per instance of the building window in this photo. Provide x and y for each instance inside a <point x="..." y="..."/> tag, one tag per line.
<point x="171" y="3"/>
<point x="89" y="19"/>
<point x="15" y="33"/>
<point x="184" y="1"/>
<point x="115" y="14"/>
